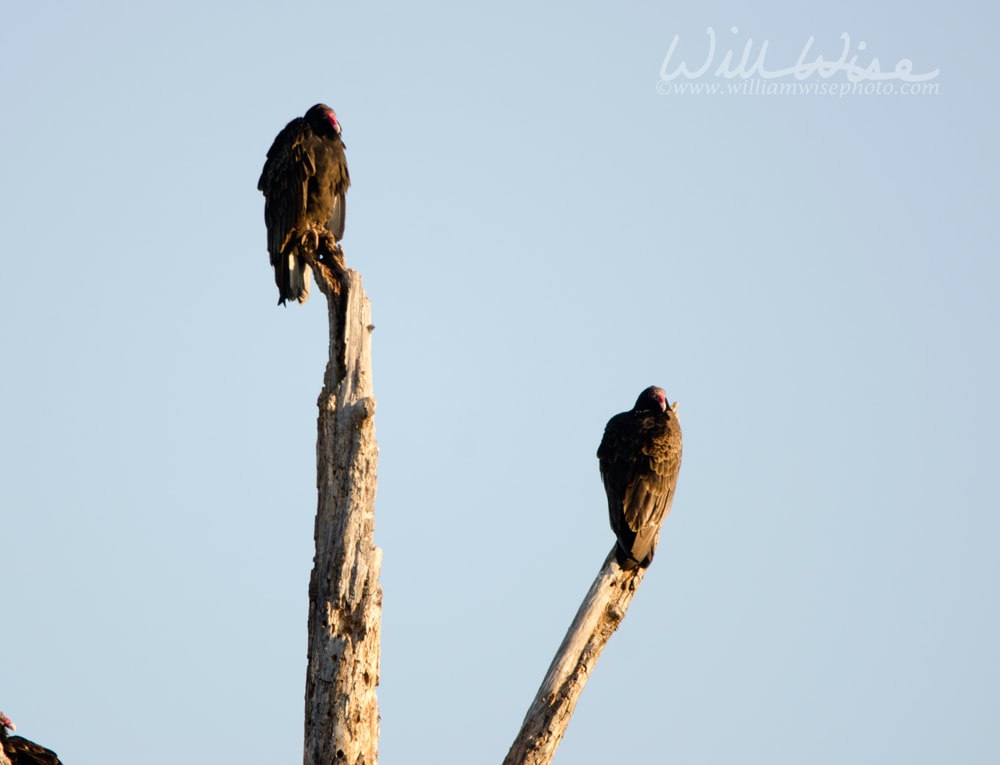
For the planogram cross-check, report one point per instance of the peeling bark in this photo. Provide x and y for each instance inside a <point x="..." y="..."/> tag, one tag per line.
<point x="345" y="598"/>
<point x="599" y="616"/>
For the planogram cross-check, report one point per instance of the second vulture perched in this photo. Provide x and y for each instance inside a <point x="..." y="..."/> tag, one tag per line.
<point x="304" y="182"/>
<point x="640" y="456"/>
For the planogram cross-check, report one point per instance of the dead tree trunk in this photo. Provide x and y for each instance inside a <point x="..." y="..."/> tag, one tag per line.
<point x="599" y="616"/>
<point x="345" y="598"/>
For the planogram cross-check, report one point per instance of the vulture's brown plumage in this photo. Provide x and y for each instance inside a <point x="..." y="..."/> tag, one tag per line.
<point x="20" y="751"/>
<point x="304" y="182"/>
<point x="640" y="456"/>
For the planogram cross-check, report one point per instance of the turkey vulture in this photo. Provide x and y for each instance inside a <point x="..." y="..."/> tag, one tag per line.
<point x="20" y="751"/>
<point x="640" y="456"/>
<point x="304" y="181"/>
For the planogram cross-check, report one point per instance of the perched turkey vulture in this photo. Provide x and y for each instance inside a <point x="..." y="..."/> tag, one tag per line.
<point x="20" y="751"/>
<point x="304" y="182"/>
<point x="640" y="456"/>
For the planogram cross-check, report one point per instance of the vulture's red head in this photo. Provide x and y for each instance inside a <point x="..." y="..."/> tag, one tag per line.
<point x="6" y="723"/>
<point x="652" y="399"/>
<point x="322" y="119"/>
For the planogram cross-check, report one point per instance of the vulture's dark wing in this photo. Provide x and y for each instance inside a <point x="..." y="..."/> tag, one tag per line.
<point x="20" y="751"/>
<point x="650" y="493"/>
<point x="285" y="181"/>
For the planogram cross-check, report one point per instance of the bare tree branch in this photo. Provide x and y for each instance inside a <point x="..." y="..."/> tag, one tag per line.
<point x="599" y="616"/>
<point x="345" y="598"/>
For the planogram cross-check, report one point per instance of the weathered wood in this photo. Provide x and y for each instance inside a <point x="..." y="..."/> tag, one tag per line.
<point x="599" y="616"/>
<point x="345" y="598"/>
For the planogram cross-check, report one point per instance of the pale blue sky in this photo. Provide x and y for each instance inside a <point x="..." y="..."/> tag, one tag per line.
<point x="542" y="234"/>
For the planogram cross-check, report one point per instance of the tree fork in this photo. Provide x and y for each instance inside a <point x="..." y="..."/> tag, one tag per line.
<point x="345" y="598"/>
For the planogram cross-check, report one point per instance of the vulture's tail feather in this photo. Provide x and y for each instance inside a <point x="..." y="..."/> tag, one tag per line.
<point x="299" y="279"/>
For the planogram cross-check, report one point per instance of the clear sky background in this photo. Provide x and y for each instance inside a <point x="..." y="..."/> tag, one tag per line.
<point x="542" y="234"/>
